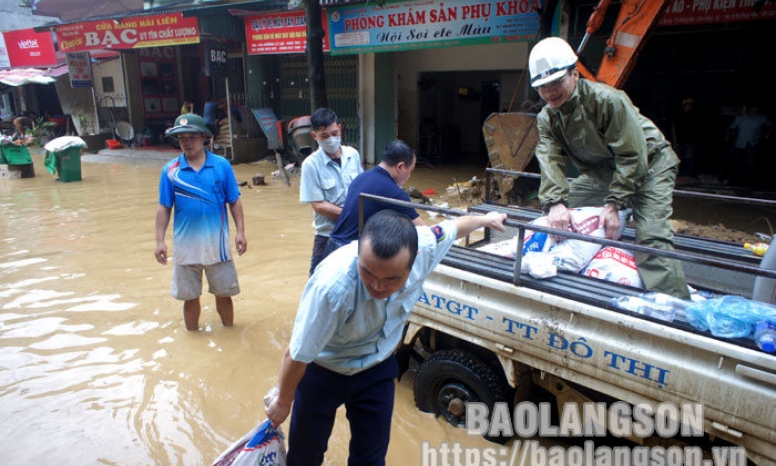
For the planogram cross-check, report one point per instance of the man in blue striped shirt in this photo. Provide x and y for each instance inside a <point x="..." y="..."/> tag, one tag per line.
<point x="199" y="185"/>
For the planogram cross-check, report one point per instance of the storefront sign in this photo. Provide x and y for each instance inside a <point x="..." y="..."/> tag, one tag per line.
<point x="29" y="48"/>
<point x="128" y="33"/>
<point x="280" y="33"/>
<point x="216" y="59"/>
<point x="431" y="24"/>
<point x="79" y="65"/>
<point x="692" y="12"/>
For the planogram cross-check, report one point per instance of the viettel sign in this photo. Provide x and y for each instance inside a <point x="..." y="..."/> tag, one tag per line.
<point x="25" y="47"/>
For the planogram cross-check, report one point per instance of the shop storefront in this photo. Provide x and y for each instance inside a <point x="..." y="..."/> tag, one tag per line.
<point x="144" y="89"/>
<point x="437" y="69"/>
<point x="277" y="42"/>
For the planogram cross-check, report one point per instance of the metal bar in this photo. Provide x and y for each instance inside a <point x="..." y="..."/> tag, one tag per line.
<point x="687" y="256"/>
<point x="679" y="192"/>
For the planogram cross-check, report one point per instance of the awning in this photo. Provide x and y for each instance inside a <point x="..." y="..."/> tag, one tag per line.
<point x="57" y="71"/>
<point x="22" y="76"/>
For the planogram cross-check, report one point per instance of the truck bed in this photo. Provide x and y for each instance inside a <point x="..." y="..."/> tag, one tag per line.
<point x="567" y="328"/>
<point x="600" y="293"/>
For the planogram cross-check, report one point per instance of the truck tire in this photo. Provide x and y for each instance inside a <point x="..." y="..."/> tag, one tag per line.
<point x="450" y="378"/>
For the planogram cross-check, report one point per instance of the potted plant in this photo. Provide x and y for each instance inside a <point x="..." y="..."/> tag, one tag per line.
<point x="40" y="134"/>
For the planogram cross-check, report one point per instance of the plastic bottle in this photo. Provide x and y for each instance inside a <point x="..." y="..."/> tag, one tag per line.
<point x="765" y="335"/>
<point x="759" y="249"/>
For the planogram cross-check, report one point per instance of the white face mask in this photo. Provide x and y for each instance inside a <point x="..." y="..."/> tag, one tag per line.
<point x="331" y="145"/>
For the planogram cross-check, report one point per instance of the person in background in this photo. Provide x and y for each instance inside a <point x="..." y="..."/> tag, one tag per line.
<point x="348" y="326"/>
<point x="187" y="107"/>
<point x="686" y="134"/>
<point x="326" y="176"/>
<point x="210" y="113"/>
<point x="199" y="185"/>
<point x="622" y="157"/>
<point x="384" y="180"/>
<point x="21" y="124"/>
<point x="751" y="130"/>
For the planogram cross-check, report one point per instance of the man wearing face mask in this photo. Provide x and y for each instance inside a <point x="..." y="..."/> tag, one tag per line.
<point x="326" y="176"/>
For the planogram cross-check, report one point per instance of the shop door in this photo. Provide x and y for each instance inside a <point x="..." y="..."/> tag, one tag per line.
<point x="341" y="91"/>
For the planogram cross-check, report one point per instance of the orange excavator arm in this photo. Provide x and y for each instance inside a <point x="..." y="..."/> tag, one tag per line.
<point x="635" y="21"/>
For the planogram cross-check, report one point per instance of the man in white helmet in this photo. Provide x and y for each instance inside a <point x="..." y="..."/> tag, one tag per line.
<point x="622" y="157"/>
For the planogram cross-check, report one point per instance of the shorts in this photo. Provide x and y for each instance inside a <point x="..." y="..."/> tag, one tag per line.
<point x="187" y="280"/>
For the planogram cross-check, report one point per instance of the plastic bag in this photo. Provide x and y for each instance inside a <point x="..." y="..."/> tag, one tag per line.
<point x="729" y="316"/>
<point x="538" y="265"/>
<point x="505" y="248"/>
<point x="64" y="142"/>
<point x="264" y="445"/>
<point x="653" y="304"/>
<point x="536" y="241"/>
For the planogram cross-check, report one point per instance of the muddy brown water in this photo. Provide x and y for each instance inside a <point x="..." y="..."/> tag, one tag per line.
<point x="96" y="366"/>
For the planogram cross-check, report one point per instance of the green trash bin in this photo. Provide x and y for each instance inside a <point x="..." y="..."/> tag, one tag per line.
<point x="69" y="164"/>
<point x="15" y="155"/>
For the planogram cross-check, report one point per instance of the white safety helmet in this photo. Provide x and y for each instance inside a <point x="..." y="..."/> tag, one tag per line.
<point x="549" y="60"/>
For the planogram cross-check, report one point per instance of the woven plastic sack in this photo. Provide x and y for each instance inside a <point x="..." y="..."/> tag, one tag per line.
<point x="264" y="445"/>
<point x="574" y="255"/>
<point x="614" y="265"/>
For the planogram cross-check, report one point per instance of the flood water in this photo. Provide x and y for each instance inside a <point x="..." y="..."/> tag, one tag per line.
<point x="96" y="366"/>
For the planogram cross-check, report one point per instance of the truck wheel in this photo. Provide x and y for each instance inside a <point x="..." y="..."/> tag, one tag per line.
<point x="450" y="378"/>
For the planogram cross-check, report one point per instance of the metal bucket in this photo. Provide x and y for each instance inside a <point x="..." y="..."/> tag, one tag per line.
<point x="300" y="136"/>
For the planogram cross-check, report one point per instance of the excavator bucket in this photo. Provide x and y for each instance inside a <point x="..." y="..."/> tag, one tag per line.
<point x="510" y="139"/>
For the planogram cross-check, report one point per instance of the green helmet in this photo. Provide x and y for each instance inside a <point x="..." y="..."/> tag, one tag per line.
<point x="189" y="123"/>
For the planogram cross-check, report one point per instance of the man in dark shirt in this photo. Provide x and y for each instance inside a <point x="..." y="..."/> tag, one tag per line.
<point x="384" y="180"/>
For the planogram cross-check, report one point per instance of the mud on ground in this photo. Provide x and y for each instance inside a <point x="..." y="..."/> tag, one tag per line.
<point x="461" y="195"/>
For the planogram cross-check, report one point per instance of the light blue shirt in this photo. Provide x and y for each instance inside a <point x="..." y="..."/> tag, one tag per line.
<point x="340" y="326"/>
<point x="323" y="179"/>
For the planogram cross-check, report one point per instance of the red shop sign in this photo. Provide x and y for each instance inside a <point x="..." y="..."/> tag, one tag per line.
<point x="687" y="12"/>
<point x="128" y="33"/>
<point x="280" y="33"/>
<point x="29" y="48"/>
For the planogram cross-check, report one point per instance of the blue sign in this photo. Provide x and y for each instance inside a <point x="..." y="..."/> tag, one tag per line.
<point x="269" y="124"/>
<point x="420" y="25"/>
